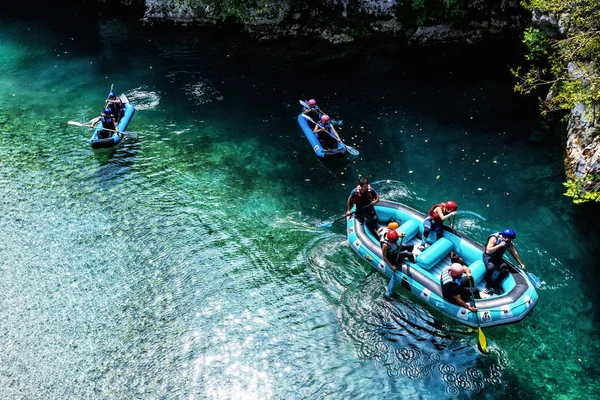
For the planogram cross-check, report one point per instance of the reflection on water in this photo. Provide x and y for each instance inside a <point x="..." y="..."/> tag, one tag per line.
<point x="192" y="262"/>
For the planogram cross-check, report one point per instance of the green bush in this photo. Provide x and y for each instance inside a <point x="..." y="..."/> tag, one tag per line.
<point x="551" y="58"/>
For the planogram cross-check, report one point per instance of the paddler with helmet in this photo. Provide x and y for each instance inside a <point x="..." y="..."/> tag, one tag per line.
<point x="391" y="252"/>
<point x="438" y="213"/>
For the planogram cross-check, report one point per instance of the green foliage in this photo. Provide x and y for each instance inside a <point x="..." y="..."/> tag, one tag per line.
<point x="455" y="8"/>
<point x="578" y="49"/>
<point x="418" y="4"/>
<point x="575" y="190"/>
<point x="536" y="43"/>
<point x="568" y="64"/>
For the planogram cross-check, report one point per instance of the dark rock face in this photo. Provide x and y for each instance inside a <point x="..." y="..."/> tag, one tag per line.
<point x="583" y="148"/>
<point x="342" y="21"/>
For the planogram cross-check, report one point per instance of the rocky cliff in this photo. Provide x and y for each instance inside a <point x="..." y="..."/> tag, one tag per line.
<point x="416" y="22"/>
<point x="582" y="160"/>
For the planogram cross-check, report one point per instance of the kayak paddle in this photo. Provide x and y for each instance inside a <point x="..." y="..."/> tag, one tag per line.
<point x="130" y="134"/>
<point x="350" y="149"/>
<point x="482" y="343"/>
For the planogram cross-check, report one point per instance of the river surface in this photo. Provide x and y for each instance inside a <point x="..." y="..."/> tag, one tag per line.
<point x="189" y="263"/>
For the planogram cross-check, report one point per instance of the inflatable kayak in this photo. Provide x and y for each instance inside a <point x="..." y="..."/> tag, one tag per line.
<point x="307" y="127"/>
<point x="422" y="277"/>
<point x="114" y="138"/>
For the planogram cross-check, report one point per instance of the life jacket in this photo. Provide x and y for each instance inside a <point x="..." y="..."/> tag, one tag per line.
<point x="392" y="247"/>
<point x="356" y="199"/>
<point x="446" y="278"/>
<point x="108" y="122"/>
<point x="433" y="215"/>
<point x="115" y="107"/>
<point x="498" y="253"/>
<point x="326" y="127"/>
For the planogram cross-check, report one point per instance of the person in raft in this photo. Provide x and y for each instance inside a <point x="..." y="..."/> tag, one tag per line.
<point x="108" y="122"/>
<point x="364" y="198"/>
<point x="455" y="287"/>
<point x="391" y="252"/>
<point x="495" y="248"/>
<point x="438" y="213"/>
<point x="328" y="137"/>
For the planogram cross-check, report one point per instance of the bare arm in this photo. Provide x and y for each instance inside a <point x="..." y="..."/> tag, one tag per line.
<point x="440" y="213"/>
<point x="514" y="253"/>
<point x="467" y="272"/>
<point x="94" y="122"/>
<point x="336" y="134"/>
<point x="461" y="303"/>
<point x="349" y="205"/>
<point x="491" y="245"/>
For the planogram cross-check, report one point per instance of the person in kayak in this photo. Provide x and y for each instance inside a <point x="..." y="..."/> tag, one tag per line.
<point x="438" y="213"/>
<point x="497" y="245"/>
<point x="313" y="110"/>
<point x="391" y="252"/>
<point x="328" y="137"/>
<point x="455" y="287"/>
<point x="116" y="106"/>
<point x="364" y="198"/>
<point x="108" y="122"/>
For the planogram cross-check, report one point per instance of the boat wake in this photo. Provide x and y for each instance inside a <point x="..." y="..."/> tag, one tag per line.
<point x="409" y="341"/>
<point x="143" y="99"/>
<point x="471" y="213"/>
<point x="394" y="190"/>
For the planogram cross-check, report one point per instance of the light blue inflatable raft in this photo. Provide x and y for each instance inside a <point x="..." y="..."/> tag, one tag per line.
<point x="423" y="277"/>
<point x="313" y="139"/>
<point x="115" y="138"/>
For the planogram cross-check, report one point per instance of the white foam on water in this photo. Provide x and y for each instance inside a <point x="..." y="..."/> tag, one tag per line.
<point x="143" y="99"/>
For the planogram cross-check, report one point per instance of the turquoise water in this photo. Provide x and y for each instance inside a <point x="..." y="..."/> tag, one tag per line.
<point x="188" y="263"/>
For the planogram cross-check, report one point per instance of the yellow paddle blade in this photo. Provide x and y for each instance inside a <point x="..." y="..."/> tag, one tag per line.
<point x="482" y="342"/>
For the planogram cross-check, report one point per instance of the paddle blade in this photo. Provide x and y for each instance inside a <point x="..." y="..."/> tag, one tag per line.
<point x="77" y="124"/>
<point x="326" y="224"/>
<point x="390" y="288"/>
<point x="352" y="151"/>
<point x="132" y="135"/>
<point x="482" y="342"/>
<point x="308" y="118"/>
<point x="535" y="281"/>
<point x="304" y="104"/>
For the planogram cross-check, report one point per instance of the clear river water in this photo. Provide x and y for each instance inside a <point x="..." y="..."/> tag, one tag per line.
<point x="188" y="263"/>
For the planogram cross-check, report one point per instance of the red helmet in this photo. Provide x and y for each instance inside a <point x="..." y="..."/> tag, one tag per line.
<point x="392" y="236"/>
<point x="450" y="205"/>
<point x="312" y="102"/>
<point x="325" y="119"/>
<point x="456" y="270"/>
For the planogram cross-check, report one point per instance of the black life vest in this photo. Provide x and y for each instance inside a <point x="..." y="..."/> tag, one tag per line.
<point x="108" y="122"/>
<point x="498" y="253"/>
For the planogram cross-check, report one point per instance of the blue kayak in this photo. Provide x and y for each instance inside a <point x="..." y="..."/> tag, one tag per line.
<point x="422" y="277"/>
<point x="313" y="139"/>
<point x="113" y="138"/>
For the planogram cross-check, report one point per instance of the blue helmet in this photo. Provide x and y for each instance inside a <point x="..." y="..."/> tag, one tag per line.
<point x="107" y="110"/>
<point x="111" y="95"/>
<point x="509" y="233"/>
